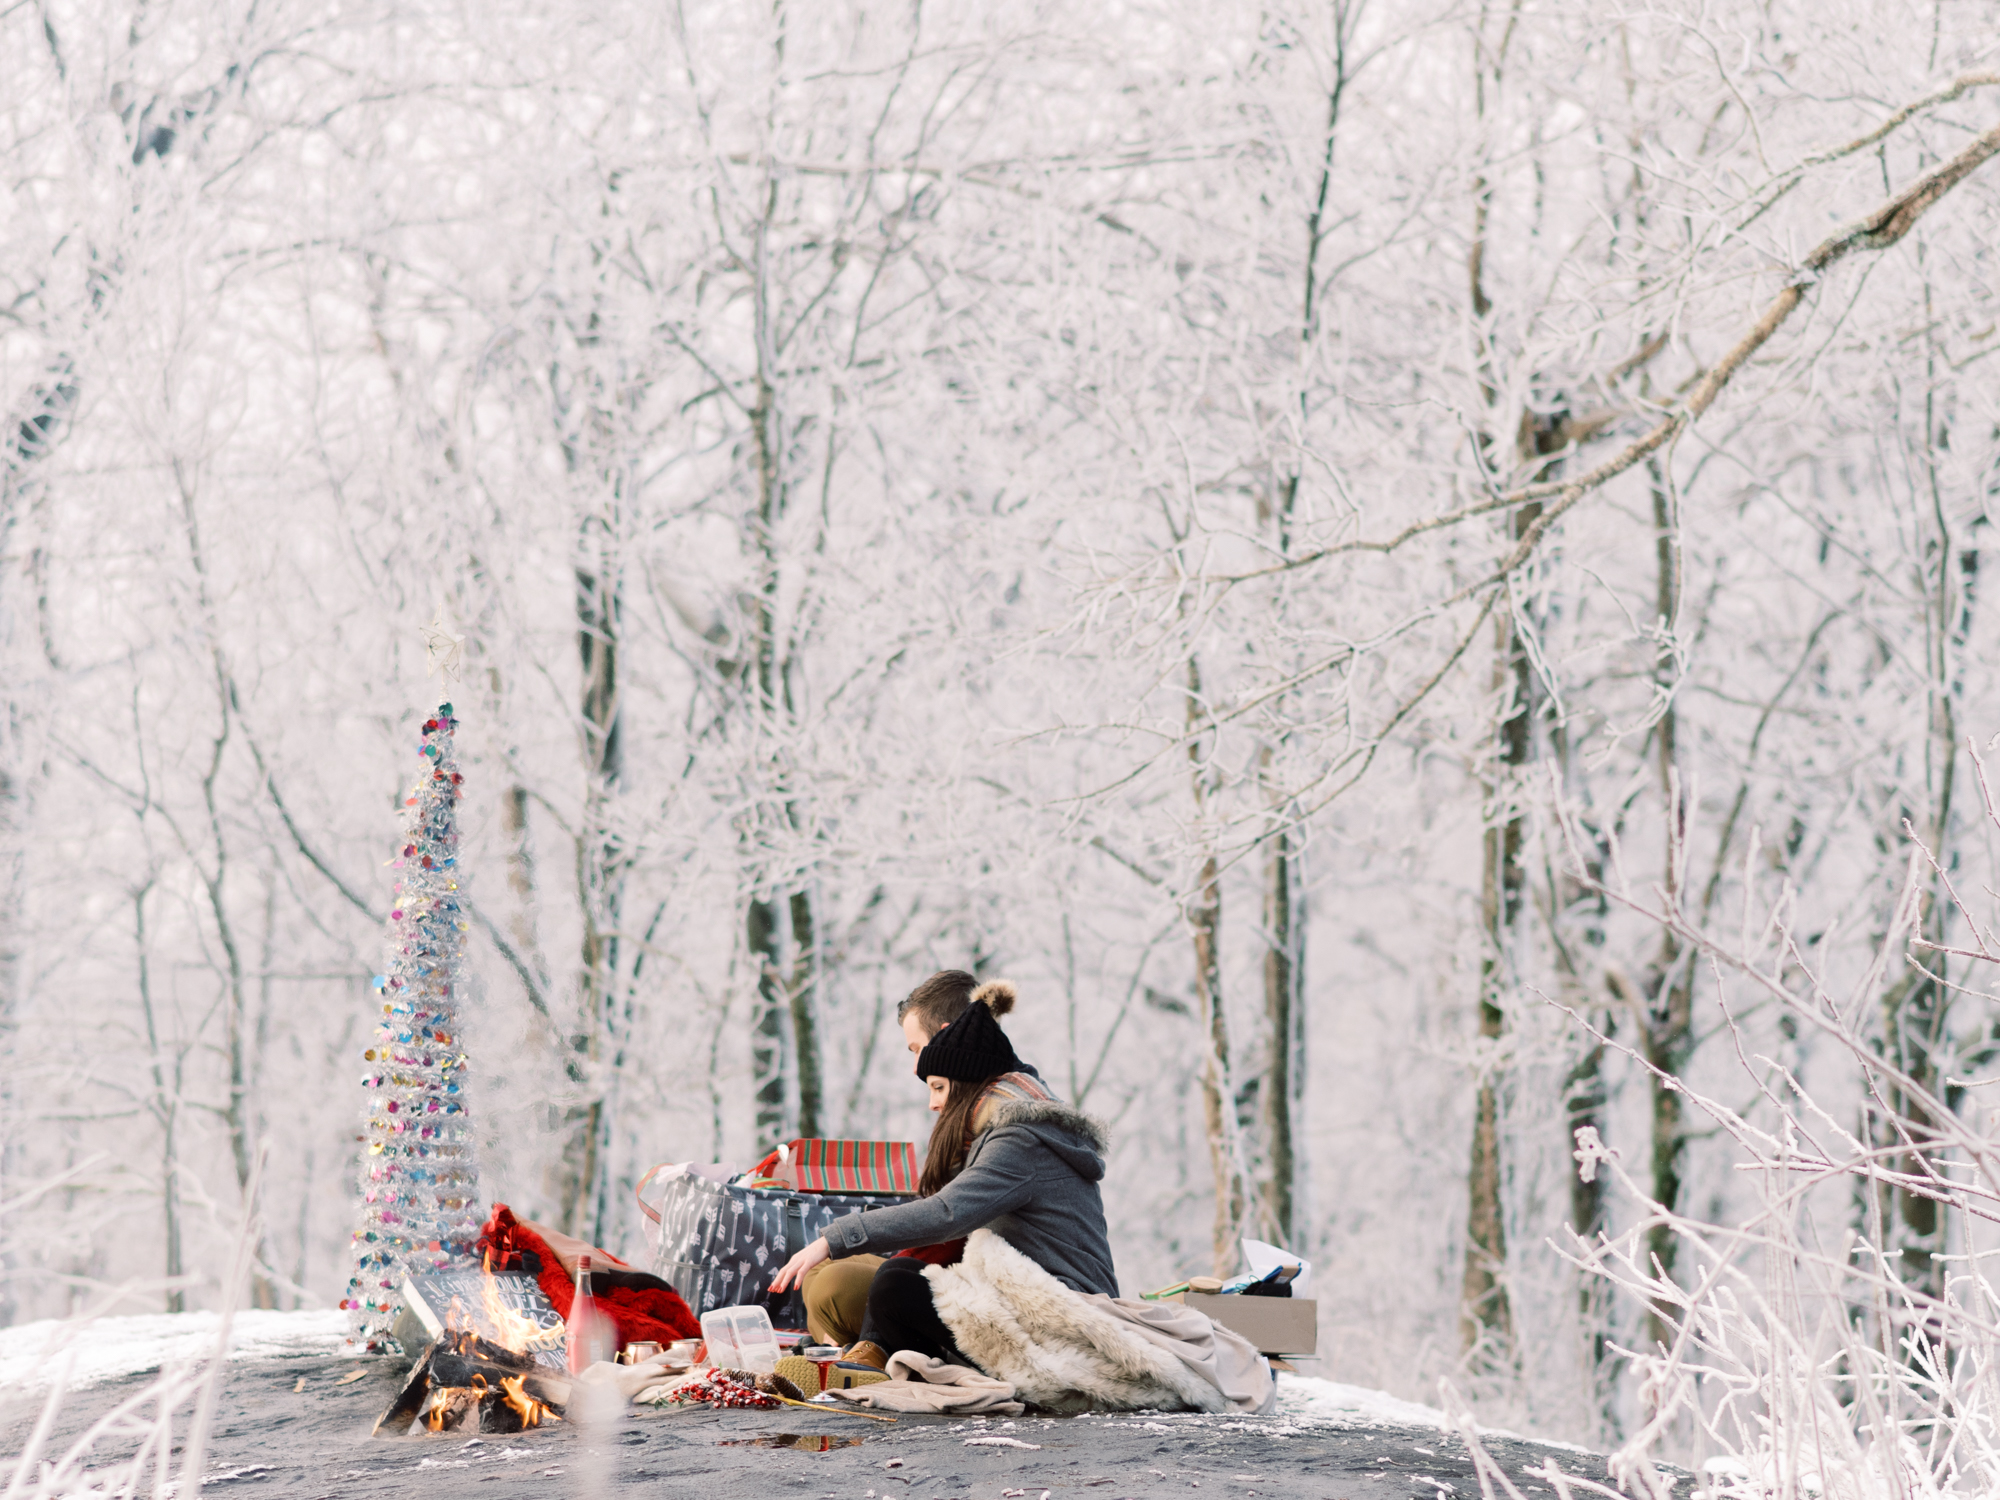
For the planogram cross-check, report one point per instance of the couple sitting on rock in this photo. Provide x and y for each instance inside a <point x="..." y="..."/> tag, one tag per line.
<point x="1003" y="1261"/>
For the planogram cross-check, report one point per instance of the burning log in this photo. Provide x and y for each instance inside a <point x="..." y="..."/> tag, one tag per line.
<point x="463" y="1380"/>
<point x="550" y="1390"/>
<point x="515" y="1402"/>
<point x="450" y="1405"/>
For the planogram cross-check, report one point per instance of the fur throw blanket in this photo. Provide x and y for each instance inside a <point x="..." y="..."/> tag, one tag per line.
<point x="1072" y="1352"/>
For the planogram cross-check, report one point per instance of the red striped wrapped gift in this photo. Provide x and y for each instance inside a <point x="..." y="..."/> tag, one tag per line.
<point x="846" y="1167"/>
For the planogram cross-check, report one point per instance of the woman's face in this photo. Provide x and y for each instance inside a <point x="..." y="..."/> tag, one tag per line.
<point x="940" y="1093"/>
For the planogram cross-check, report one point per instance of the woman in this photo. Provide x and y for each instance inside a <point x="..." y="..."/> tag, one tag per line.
<point x="836" y="1291"/>
<point x="1003" y="1156"/>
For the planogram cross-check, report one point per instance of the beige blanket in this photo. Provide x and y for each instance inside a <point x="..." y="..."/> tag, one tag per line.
<point x="1061" y="1349"/>
<point x="919" y="1383"/>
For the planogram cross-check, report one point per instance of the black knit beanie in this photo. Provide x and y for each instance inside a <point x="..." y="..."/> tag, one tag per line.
<point x="971" y="1048"/>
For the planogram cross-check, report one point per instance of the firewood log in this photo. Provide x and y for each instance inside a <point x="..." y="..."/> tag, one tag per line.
<point x="450" y="1407"/>
<point x="450" y="1368"/>
<point x="496" y="1415"/>
<point x="443" y="1367"/>
<point x="403" y="1410"/>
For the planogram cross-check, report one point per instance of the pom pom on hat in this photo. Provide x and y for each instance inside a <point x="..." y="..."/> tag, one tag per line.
<point x="997" y="995"/>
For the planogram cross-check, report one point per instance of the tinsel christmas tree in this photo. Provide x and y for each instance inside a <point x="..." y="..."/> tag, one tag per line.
<point x="419" y="1174"/>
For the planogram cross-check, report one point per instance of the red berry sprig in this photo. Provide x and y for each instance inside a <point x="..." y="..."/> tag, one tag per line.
<point x="720" y="1389"/>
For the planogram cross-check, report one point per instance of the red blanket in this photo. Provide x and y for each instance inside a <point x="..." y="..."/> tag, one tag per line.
<point x="641" y="1305"/>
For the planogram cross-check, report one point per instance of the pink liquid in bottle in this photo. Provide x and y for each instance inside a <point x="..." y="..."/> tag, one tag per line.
<point x="592" y="1337"/>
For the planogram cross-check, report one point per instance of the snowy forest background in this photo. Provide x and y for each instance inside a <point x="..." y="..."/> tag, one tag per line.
<point x="1150" y="500"/>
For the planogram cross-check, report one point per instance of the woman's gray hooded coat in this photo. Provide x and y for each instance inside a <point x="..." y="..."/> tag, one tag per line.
<point x="1031" y="1176"/>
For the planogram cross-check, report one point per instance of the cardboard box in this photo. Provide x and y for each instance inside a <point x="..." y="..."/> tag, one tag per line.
<point x="1276" y="1325"/>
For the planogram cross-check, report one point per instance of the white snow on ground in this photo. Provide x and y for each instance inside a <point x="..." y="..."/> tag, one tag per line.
<point x="1311" y="1399"/>
<point x="1308" y="1396"/>
<point x="32" y="1355"/>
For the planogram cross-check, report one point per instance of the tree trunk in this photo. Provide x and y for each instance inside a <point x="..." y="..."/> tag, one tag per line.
<point x="1284" y="918"/>
<point x="30" y="440"/>
<point x="767" y="1035"/>
<point x="1585" y="1089"/>
<point x="1204" y="918"/>
<point x="1218" y="1113"/>
<point x="1285" y="1018"/>
<point x="1669" y="1035"/>
<point x="805" y="1032"/>
<point x="1485" y="1314"/>
<point x="779" y="996"/>
<point x="12" y="1127"/>
<point x="1670" y="1001"/>
<point x="1584" y="1099"/>
<point x="600" y="880"/>
<point x="267" y="957"/>
<point x="238" y="1111"/>
<point x="166" y="1108"/>
<point x="1485" y="1311"/>
<point x="1486" y="1318"/>
<point x="521" y="877"/>
<point x="1915" y="1010"/>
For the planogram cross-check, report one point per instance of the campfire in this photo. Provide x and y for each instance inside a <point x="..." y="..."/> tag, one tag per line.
<point x="487" y="1371"/>
<point x="453" y="1406"/>
<point x="469" y="1383"/>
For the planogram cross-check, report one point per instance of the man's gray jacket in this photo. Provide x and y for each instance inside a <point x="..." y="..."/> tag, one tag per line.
<point x="1031" y="1177"/>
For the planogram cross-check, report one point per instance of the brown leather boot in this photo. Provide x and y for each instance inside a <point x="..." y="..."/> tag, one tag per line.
<point x="865" y="1353"/>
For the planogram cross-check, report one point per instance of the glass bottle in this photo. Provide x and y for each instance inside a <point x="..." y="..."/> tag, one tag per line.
<point x="593" y="1339"/>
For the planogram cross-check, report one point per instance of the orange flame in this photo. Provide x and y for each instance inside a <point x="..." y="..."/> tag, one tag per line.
<point x="451" y="1399"/>
<point x="516" y="1396"/>
<point x="511" y="1330"/>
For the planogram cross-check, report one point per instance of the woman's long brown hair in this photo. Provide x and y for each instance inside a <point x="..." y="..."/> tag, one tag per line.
<point x="951" y="1137"/>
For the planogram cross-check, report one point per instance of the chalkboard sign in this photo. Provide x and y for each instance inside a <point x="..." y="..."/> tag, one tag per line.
<point x="429" y="1299"/>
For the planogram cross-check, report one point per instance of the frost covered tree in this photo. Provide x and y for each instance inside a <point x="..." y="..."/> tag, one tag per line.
<point x="1233" y="519"/>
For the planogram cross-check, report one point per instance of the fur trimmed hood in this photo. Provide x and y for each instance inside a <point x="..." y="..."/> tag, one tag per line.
<point x="1081" y="1140"/>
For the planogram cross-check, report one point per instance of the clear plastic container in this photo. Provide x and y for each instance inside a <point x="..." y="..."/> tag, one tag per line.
<point x="741" y="1338"/>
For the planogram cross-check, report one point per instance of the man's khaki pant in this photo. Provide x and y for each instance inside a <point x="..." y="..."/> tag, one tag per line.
<point x="836" y="1293"/>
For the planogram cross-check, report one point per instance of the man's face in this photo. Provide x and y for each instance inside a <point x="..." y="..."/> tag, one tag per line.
<point x="914" y="1033"/>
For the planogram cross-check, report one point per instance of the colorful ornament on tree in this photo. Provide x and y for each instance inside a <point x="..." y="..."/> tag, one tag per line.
<point x="419" y="1175"/>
